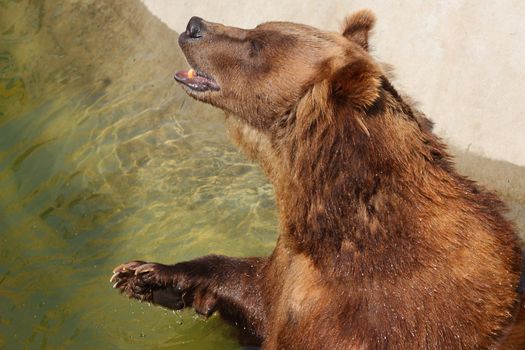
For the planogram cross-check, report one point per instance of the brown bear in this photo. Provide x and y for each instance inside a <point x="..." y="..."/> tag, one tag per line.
<point x="382" y="245"/>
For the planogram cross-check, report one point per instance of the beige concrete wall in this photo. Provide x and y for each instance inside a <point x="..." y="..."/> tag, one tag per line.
<point x="463" y="60"/>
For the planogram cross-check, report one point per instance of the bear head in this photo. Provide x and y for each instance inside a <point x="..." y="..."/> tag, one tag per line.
<point x="262" y="74"/>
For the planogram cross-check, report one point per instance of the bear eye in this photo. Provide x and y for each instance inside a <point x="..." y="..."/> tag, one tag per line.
<point x="255" y="47"/>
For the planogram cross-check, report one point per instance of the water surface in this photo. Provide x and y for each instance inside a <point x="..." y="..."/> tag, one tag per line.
<point x="104" y="159"/>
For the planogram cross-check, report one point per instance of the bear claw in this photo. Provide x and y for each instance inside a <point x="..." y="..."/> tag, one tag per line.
<point x="145" y="268"/>
<point x="128" y="266"/>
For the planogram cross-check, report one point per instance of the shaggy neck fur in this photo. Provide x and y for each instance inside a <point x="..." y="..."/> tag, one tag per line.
<point x="371" y="183"/>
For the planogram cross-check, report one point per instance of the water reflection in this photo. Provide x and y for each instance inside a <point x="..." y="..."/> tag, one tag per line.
<point x="103" y="159"/>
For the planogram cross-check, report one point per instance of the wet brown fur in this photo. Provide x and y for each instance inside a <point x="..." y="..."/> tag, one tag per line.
<point x="383" y="245"/>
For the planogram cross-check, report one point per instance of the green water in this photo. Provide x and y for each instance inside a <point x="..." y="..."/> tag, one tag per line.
<point x="104" y="159"/>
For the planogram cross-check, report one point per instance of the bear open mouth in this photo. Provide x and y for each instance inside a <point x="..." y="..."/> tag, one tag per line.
<point x="196" y="80"/>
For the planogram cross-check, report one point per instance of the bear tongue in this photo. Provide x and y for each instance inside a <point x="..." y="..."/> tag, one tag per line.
<point x="194" y="81"/>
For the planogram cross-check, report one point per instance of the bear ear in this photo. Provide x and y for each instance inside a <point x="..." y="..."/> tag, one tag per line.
<point x="357" y="27"/>
<point x="357" y="82"/>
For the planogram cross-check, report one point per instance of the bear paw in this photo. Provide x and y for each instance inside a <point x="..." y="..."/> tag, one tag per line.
<point x="166" y="285"/>
<point x="141" y="280"/>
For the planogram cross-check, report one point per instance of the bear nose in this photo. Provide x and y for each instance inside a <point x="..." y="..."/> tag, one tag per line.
<point x="194" y="27"/>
